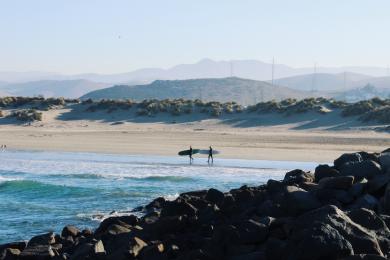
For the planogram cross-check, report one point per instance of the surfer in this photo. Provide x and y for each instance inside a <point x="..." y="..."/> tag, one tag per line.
<point x="210" y="155"/>
<point x="190" y="154"/>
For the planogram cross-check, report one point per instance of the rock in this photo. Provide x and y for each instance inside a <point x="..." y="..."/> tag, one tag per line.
<point x="369" y="156"/>
<point x="360" y="170"/>
<point x="331" y="196"/>
<point x="10" y="254"/>
<point x="297" y="177"/>
<point x="94" y="250"/>
<point x="297" y="201"/>
<point x="358" y="188"/>
<point x="276" y="249"/>
<point x="70" y="231"/>
<point x="386" y="199"/>
<point x="362" y="241"/>
<point x="308" y="186"/>
<point x="37" y="252"/>
<point x="377" y="185"/>
<point x="347" y="158"/>
<point x="121" y="221"/>
<point x="14" y="245"/>
<point x="252" y="232"/>
<point x="365" y="257"/>
<point x="384" y="160"/>
<point x="178" y="207"/>
<point x="342" y="182"/>
<point x="274" y="186"/>
<point x="115" y="229"/>
<point x="257" y="255"/>
<point x="215" y="196"/>
<point x="366" y="201"/>
<point x="153" y="252"/>
<point x="321" y="241"/>
<point x="324" y="171"/>
<point x="44" y="239"/>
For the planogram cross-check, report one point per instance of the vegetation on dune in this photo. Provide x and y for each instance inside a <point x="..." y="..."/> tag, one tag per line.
<point x="372" y="110"/>
<point x="175" y="107"/>
<point x="35" y="102"/>
<point x="26" y="115"/>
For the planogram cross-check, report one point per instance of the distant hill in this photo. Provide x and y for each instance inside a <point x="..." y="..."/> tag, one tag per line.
<point x="324" y="81"/>
<point x="243" y="91"/>
<point x="206" y="68"/>
<point x="52" y="88"/>
<point x="362" y="93"/>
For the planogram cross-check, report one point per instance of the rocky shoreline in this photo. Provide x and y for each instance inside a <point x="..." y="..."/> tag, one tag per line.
<point x="337" y="212"/>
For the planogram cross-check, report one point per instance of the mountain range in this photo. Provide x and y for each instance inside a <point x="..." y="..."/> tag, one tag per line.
<point x="326" y="80"/>
<point x="242" y="91"/>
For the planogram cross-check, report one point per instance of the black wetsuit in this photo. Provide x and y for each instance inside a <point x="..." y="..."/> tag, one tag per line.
<point x="191" y="155"/>
<point x="210" y="155"/>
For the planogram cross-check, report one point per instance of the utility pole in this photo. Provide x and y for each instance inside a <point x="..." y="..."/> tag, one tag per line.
<point x="313" y="83"/>
<point x="273" y="70"/>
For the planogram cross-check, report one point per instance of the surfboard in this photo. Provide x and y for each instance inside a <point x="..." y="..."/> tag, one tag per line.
<point x="207" y="152"/>
<point x="187" y="152"/>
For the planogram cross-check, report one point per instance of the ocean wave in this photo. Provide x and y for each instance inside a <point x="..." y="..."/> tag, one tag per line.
<point x="156" y="178"/>
<point x="28" y="186"/>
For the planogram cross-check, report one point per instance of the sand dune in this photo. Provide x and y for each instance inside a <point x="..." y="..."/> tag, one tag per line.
<point x="264" y="138"/>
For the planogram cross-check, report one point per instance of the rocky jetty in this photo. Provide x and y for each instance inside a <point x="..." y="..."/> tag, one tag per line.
<point x="337" y="212"/>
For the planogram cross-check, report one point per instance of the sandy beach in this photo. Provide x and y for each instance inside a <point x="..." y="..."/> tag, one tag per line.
<point x="276" y="142"/>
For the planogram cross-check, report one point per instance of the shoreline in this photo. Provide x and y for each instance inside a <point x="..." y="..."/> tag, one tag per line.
<point x="340" y="211"/>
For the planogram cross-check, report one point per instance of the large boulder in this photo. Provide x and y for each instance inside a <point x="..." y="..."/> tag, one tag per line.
<point x="366" y="201"/>
<point x="377" y="184"/>
<point x="70" y="231"/>
<point x="44" y="239"/>
<point x="324" y="171"/>
<point x="297" y="177"/>
<point x="347" y="158"/>
<point x="296" y="201"/>
<point x="125" y="221"/>
<point x="384" y="160"/>
<point x="37" y="252"/>
<point x="362" y="240"/>
<point x="177" y="208"/>
<point x="215" y="196"/>
<point x="365" y="169"/>
<point x="341" y="183"/>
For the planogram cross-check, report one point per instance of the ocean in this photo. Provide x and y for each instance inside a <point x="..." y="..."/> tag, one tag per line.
<point x="44" y="191"/>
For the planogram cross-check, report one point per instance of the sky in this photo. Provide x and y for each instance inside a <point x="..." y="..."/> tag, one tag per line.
<point x="113" y="36"/>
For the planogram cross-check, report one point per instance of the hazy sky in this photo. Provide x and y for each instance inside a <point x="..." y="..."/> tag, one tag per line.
<point x="74" y="36"/>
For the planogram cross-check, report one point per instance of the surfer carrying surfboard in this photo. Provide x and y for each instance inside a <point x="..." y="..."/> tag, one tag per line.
<point x="210" y="155"/>
<point x="190" y="155"/>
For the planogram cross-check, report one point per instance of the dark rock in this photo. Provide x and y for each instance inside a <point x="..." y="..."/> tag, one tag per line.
<point x="321" y="241"/>
<point x="252" y="232"/>
<point x="329" y="196"/>
<point x="257" y="255"/>
<point x="178" y="207"/>
<point x="269" y="208"/>
<point x="370" y="156"/>
<point x="276" y="249"/>
<point x="94" y="250"/>
<point x="377" y="185"/>
<point x="384" y="160"/>
<point x="360" y="170"/>
<point x="14" y="245"/>
<point x="215" y="196"/>
<point x="365" y="257"/>
<point x="366" y="201"/>
<point x="297" y="177"/>
<point x="275" y="186"/>
<point x="10" y="254"/>
<point x="122" y="221"/>
<point x="347" y="158"/>
<point x="44" y="239"/>
<point x="37" y="252"/>
<point x="386" y="200"/>
<point x="297" y="201"/>
<point x="115" y="229"/>
<point x="70" y="231"/>
<point x="358" y="188"/>
<point x="153" y="252"/>
<point x="342" y="182"/>
<point x="325" y="171"/>
<point x="362" y="241"/>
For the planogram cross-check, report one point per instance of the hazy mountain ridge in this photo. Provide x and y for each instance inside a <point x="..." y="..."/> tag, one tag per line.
<point x="206" y="68"/>
<point x="52" y="88"/>
<point x="240" y="90"/>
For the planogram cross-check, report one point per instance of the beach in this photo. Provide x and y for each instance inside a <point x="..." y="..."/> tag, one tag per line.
<point x="280" y="142"/>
